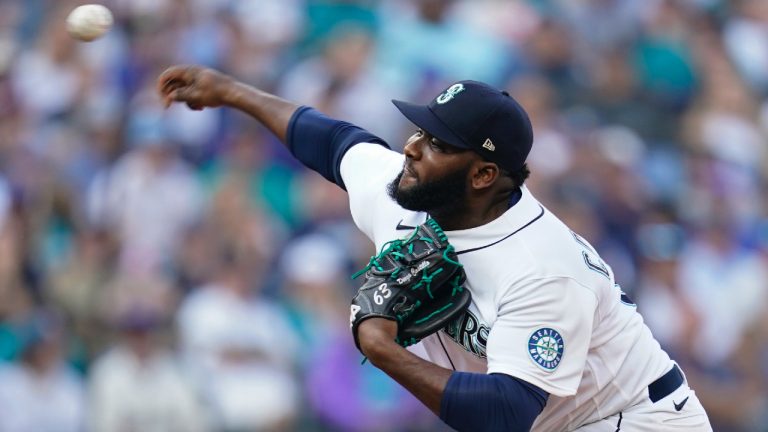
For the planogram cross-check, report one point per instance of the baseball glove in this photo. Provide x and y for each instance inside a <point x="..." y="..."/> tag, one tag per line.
<point x="416" y="281"/>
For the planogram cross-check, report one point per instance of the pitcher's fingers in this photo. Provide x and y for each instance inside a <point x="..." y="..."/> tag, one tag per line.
<point x="173" y="96"/>
<point x="171" y="85"/>
<point x="172" y="74"/>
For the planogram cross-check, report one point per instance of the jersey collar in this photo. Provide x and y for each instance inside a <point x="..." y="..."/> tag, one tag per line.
<point x="525" y="211"/>
<point x="518" y="217"/>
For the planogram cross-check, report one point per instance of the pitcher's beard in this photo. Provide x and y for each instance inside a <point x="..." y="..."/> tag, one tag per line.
<point x="448" y="192"/>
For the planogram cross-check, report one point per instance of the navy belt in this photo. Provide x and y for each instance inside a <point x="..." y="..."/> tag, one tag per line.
<point x="665" y="385"/>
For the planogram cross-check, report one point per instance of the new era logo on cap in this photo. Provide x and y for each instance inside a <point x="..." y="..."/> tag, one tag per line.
<point x="476" y="116"/>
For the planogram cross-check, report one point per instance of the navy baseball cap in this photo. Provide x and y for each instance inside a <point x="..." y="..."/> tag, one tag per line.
<point x="478" y="117"/>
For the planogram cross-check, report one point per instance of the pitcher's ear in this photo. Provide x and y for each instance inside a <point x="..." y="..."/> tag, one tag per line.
<point x="485" y="174"/>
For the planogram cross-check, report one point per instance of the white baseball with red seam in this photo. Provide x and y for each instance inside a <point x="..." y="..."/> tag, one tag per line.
<point x="88" y="22"/>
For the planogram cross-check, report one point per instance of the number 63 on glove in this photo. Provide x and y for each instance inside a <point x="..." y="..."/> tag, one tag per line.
<point x="417" y="282"/>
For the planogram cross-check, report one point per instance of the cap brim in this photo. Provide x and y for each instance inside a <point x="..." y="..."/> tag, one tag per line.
<point x="426" y="120"/>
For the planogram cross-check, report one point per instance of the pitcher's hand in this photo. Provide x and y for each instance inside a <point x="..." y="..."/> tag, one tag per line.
<point x="196" y="86"/>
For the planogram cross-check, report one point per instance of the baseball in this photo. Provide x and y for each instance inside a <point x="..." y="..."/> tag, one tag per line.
<point x="88" y="22"/>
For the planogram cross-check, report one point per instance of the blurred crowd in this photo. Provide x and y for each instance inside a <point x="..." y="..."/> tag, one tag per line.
<point x="175" y="270"/>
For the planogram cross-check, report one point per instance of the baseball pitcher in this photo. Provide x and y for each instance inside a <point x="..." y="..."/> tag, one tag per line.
<point x="481" y="302"/>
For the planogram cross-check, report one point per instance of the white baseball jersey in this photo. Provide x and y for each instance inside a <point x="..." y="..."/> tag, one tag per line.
<point x="545" y="307"/>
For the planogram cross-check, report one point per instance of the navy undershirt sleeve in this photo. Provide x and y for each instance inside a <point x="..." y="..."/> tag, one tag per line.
<point x="495" y="402"/>
<point x="319" y="142"/>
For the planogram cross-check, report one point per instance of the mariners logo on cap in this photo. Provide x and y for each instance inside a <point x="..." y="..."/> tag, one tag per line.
<point x="546" y="348"/>
<point x="450" y="93"/>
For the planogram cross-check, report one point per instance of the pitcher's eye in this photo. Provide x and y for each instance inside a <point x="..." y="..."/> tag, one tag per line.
<point x="436" y="145"/>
